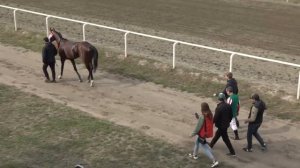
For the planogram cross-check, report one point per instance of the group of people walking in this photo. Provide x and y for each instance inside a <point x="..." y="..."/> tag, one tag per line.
<point x="225" y="116"/>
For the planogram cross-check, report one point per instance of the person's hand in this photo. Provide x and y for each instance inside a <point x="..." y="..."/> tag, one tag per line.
<point x="197" y="115"/>
<point x="246" y="121"/>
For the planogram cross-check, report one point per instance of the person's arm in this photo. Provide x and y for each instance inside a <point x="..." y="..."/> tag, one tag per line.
<point x="224" y="91"/>
<point x="198" y="126"/>
<point x="253" y="115"/>
<point x="44" y="54"/>
<point x="217" y="115"/>
<point x="54" y="50"/>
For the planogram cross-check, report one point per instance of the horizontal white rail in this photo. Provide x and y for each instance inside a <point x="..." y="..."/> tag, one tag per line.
<point x="175" y="42"/>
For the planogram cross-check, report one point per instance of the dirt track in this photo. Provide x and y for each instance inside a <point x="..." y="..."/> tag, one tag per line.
<point x="157" y="111"/>
<point x="267" y="29"/>
<point x="264" y="24"/>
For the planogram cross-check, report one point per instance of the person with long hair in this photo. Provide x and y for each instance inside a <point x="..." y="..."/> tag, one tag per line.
<point x="200" y="139"/>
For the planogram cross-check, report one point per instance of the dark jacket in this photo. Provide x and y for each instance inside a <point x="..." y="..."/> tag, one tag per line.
<point x="223" y="115"/>
<point x="48" y="53"/>
<point x="232" y="83"/>
<point x="261" y="107"/>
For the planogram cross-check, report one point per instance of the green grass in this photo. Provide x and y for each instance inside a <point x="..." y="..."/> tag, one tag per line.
<point x="36" y="133"/>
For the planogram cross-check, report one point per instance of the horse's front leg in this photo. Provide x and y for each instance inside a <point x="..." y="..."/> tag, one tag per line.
<point x="62" y="68"/>
<point x="75" y="69"/>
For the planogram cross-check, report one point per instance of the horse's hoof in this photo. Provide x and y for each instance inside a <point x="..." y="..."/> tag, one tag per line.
<point x="59" y="77"/>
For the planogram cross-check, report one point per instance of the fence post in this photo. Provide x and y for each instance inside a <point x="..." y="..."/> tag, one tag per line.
<point x="298" y="91"/>
<point x="83" y="31"/>
<point x="47" y="26"/>
<point x="231" y="59"/>
<point x="174" y="54"/>
<point x="15" y="20"/>
<point x="125" y="43"/>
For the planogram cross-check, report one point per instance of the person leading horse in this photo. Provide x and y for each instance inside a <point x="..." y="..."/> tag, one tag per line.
<point x="71" y="50"/>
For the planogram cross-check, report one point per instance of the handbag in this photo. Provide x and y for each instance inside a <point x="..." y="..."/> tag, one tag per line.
<point x="201" y="140"/>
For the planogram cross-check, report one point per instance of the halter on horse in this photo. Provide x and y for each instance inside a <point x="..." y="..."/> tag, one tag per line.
<point x="72" y="50"/>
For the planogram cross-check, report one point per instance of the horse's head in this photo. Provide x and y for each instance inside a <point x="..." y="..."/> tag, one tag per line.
<point x="54" y="35"/>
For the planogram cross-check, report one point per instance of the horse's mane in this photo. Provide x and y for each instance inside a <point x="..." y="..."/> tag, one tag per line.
<point x="60" y="35"/>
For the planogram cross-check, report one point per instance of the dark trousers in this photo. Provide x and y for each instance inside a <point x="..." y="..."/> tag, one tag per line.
<point x="252" y="130"/>
<point x="222" y="133"/>
<point x="52" y="66"/>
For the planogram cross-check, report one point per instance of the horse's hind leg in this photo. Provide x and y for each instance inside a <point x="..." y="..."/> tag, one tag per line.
<point x="90" y="77"/>
<point x="75" y="69"/>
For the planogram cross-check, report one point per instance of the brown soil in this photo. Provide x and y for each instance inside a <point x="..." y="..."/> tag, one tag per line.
<point x="266" y="28"/>
<point x="160" y="112"/>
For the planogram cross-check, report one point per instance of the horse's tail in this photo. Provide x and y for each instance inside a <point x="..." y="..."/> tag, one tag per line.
<point x="95" y="59"/>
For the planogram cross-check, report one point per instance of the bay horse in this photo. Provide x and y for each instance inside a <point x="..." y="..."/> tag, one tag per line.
<point x="71" y="50"/>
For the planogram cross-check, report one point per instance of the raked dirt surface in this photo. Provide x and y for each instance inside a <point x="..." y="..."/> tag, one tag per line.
<point x="159" y="112"/>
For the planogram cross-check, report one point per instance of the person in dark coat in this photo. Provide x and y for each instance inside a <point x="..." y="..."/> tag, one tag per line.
<point x="222" y="118"/>
<point x="254" y="121"/>
<point x="48" y="54"/>
<point x="231" y="82"/>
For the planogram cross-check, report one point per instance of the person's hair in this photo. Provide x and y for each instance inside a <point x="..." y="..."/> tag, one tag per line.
<point x="205" y="108"/>
<point x="229" y="75"/>
<point x="46" y="39"/>
<point x="255" y="96"/>
<point x="229" y="89"/>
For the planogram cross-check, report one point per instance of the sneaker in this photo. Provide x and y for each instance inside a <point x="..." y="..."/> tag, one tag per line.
<point x="193" y="156"/>
<point x="231" y="154"/>
<point x="264" y="147"/>
<point x="236" y="138"/>
<point x="247" y="150"/>
<point x="214" y="164"/>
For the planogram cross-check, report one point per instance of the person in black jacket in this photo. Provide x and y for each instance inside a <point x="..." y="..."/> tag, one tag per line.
<point x="48" y="53"/>
<point x="231" y="82"/>
<point x="222" y="118"/>
<point x="255" y="119"/>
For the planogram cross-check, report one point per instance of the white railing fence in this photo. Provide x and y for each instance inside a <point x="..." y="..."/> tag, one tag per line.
<point x="175" y="42"/>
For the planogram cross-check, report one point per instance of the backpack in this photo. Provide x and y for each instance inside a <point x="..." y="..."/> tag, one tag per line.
<point x="207" y="129"/>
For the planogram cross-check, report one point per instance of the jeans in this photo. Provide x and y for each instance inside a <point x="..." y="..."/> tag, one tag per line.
<point x="207" y="150"/>
<point x="222" y="132"/>
<point x="252" y="130"/>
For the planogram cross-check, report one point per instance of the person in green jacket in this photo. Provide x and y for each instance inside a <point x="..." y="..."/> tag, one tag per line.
<point x="233" y="101"/>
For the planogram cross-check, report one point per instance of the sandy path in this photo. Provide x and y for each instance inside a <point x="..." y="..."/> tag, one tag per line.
<point x="157" y="111"/>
